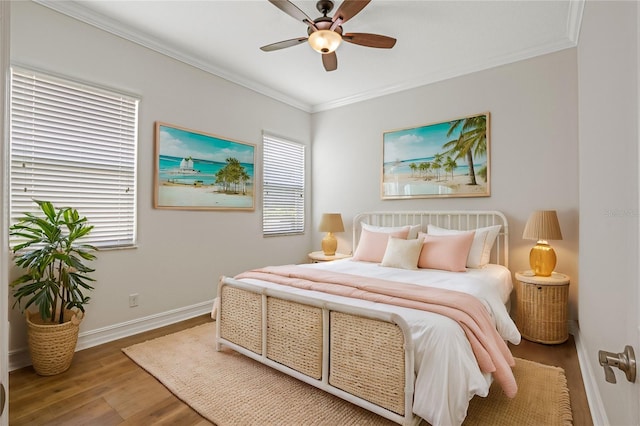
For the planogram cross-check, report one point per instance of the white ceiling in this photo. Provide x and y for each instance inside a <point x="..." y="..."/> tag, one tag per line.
<point x="437" y="40"/>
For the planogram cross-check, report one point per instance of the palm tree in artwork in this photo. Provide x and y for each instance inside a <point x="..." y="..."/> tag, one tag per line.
<point x="231" y="175"/>
<point x="471" y="142"/>
<point x="244" y="178"/>
<point x="437" y="164"/>
<point x="450" y="165"/>
<point x="413" y="168"/>
<point x="424" y="168"/>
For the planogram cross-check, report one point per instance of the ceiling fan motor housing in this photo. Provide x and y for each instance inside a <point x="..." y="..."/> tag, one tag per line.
<point x="325" y="34"/>
<point x="324" y="23"/>
<point x="324" y="6"/>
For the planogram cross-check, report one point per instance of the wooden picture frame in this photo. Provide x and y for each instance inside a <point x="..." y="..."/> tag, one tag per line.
<point x="201" y="171"/>
<point x="440" y="160"/>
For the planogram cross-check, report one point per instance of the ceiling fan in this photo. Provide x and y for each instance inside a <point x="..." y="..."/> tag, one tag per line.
<point x="325" y="33"/>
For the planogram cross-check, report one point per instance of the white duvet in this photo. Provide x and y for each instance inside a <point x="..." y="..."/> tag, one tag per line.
<point x="447" y="374"/>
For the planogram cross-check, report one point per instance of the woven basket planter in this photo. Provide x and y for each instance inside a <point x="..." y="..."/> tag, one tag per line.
<point x="52" y="346"/>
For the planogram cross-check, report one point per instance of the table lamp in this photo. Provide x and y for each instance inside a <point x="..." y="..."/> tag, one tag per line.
<point x="542" y="226"/>
<point x="330" y="223"/>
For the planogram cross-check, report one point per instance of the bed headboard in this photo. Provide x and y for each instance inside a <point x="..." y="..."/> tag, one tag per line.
<point x="456" y="219"/>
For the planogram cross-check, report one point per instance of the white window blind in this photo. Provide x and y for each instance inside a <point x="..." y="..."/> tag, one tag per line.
<point x="75" y="146"/>
<point x="283" y="187"/>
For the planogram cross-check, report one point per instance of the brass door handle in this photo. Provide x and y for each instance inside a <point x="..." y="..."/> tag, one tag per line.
<point x="625" y="361"/>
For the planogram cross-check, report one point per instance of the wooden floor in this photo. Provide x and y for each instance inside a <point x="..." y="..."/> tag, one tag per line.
<point x="104" y="387"/>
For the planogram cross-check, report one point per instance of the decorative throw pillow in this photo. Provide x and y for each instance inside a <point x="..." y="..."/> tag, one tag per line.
<point x="413" y="229"/>
<point x="447" y="252"/>
<point x="372" y="245"/>
<point x="483" y="241"/>
<point x="401" y="253"/>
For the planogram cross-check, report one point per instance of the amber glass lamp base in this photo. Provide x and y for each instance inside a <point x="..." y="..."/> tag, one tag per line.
<point x="329" y="244"/>
<point x="542" y="259"/>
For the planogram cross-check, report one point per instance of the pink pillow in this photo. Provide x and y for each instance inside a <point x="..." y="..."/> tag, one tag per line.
<point x="372" y="245"/>
<point x="447" y="252"/>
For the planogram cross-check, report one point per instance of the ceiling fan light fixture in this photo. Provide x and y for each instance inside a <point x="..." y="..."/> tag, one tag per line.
<point x="324" y="41"/>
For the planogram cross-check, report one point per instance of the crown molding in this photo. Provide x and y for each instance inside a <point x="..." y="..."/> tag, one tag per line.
<point x="448" y="74"/>
<point x="81" y="13"/>
<point x="574" y="20"/>
<point x="86" y="15"/>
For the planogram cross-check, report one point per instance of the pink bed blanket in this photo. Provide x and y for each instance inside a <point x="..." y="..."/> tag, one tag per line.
<point x="491" y="352"/>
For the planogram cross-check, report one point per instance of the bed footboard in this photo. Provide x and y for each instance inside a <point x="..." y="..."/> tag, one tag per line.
<point x="365" y="357"/>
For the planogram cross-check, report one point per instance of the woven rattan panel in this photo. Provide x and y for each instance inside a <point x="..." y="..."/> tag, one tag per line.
<point x="241" y="318"/>
<point x="542" y="312"/>
<point x="294" y="336"/>
<point x="367" y="360"/>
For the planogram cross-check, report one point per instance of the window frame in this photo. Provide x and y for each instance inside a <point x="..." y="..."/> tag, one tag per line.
<point x="74" y="144"/>
<point x="276" y="178"/>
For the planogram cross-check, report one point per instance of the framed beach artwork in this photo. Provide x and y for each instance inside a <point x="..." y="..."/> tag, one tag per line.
<point x="201" y="171"/>
<point x="447" y="159"/>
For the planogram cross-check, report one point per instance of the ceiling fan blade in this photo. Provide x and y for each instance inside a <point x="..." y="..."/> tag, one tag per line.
<point x="330" y="61"/>
<point x="292" y="10"/>
<point x="348" y="9"/>
<point x="370" y="40"/>
<point x="282" y="44"/>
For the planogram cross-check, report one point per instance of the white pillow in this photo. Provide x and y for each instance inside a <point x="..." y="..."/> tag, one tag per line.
<point x="483" y="241"/>
<point x="413" y="229"/>
<point x="402" y="253"/>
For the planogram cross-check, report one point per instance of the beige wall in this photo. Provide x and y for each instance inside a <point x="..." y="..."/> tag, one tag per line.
<point x="180" y="254"/>
<point x="533" y="107"/>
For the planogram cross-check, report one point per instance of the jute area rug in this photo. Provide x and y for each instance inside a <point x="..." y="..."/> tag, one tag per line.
<point x="230" y="389"/>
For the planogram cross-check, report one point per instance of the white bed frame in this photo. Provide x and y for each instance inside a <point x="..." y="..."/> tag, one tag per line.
<point x="455" y="219"/>
<point x="233" y="328"/>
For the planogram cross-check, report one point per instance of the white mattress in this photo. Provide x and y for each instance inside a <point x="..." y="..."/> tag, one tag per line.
<point x="447" y="374"/>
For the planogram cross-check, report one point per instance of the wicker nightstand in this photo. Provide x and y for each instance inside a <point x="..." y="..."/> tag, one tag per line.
<point x="319" y="256"/>
<point x="542" y="307"/>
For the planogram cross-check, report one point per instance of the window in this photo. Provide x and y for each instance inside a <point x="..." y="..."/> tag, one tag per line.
<point x="75" y="146"/>
<point x="283" y="187"/>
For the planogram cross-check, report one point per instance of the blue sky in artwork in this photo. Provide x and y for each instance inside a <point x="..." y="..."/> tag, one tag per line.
<point x="416" y="143"/>
<point x="182" y="143"/>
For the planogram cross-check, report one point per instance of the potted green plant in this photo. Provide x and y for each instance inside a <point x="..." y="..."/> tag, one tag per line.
<point x="54" y="281"/>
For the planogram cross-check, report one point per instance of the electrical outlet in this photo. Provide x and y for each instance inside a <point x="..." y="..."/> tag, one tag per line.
<point x="133" y="300"/>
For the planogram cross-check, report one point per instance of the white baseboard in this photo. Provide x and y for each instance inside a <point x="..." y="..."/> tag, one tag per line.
<point x="20" y="357"/>
<point x="596" y="407"/>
